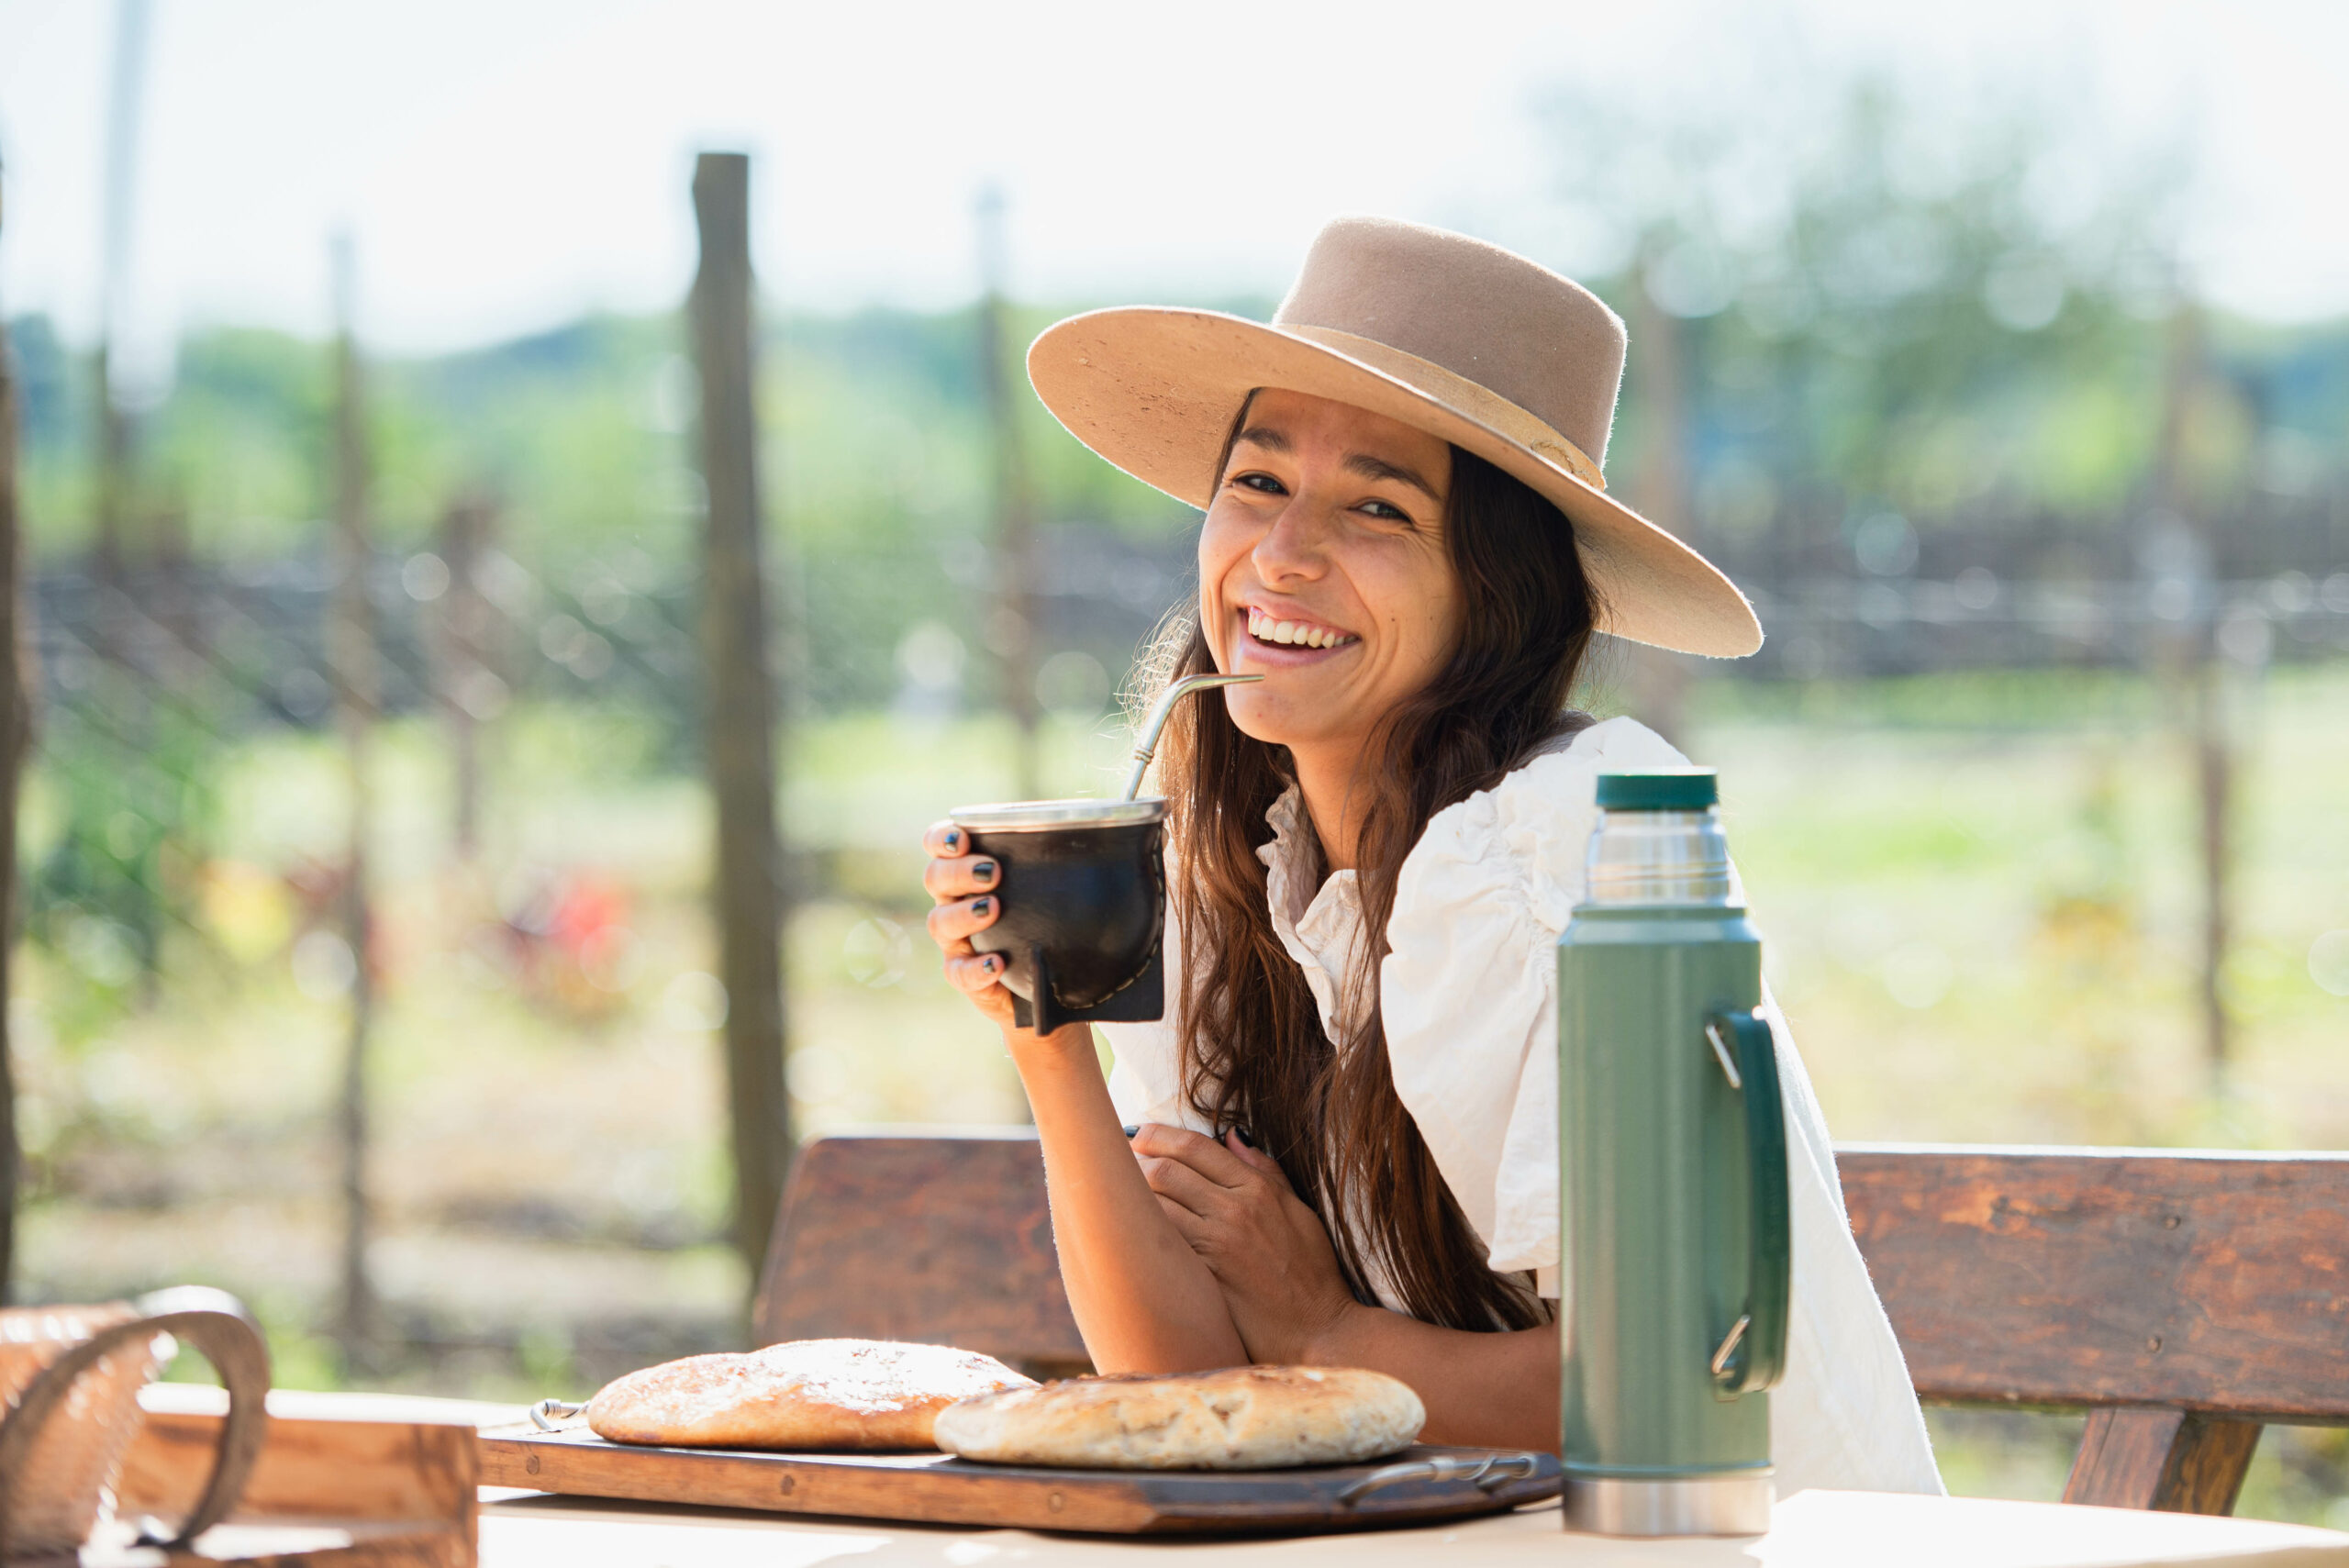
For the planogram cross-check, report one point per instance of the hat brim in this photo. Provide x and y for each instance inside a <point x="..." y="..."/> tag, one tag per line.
<point x="1154" y="389"/>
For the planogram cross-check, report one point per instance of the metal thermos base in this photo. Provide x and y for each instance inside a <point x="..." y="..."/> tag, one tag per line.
<point x="1736" y="1504"/>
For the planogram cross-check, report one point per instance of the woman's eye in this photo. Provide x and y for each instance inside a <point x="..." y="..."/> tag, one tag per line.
<point x="1263" y="483"/>
<point x="1385" y="511"/>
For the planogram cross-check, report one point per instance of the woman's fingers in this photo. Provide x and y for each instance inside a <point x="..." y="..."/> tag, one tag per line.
<point x="963" y="886"/>
<point x="959" y="876"/>
<point x="1196" y="1233"/>
<point x="1201" y="1152"/>
<point x="952" y="924"/>
<point x="1178" y="1183"/>
<point x="975" y="972"/>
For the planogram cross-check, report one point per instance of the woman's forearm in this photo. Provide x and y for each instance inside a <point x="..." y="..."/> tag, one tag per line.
<point x="1480" y="1390"/>
<point x="1143" y="1298"/>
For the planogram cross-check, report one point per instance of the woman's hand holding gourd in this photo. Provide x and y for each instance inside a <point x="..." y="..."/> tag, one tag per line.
<point x="1267" y="1251"/>
<point x="963" y="886"/>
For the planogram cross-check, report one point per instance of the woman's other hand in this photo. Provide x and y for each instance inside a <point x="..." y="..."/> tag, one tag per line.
<point x="963" y="886"/>
<point x="1267" y="1251"/>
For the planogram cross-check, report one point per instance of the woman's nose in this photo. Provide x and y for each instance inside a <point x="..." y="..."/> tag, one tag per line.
<point x="1295" y="546"/>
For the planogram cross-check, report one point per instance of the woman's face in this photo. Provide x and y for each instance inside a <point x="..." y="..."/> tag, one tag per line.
<point x="1323" y="567"/>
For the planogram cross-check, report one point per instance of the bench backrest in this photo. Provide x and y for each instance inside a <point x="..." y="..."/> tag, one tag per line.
<point x="947" y="1239"/>
<point x="2184" y="1296"/>
<point x="2211" y="1283"/>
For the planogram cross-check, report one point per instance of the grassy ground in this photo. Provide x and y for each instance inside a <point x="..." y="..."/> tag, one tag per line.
<point x="1979" y="896"/>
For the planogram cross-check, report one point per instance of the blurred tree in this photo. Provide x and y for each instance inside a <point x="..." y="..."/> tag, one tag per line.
<point x="16" y="736"/>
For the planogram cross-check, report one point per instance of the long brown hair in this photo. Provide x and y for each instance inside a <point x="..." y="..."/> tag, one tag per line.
<point x="1253" y="1052"/>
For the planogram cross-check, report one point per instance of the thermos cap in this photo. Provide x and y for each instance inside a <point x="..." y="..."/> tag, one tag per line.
<point x="1659" y="842"/>
<point x="1671" y="789"/>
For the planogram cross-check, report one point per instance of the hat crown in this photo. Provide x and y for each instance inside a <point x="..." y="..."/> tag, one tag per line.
<point x="1517" y="330"/>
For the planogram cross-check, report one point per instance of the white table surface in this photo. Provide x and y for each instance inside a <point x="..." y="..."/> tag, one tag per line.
<point x="1815" y="1529"/>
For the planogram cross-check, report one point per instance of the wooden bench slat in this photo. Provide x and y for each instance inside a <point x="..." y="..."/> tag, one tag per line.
<point x="947" y="1239"/>
<point x="2206" y="1283"/>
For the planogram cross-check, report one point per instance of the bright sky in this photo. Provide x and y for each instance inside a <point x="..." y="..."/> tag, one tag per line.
<point x="506" y="163"/>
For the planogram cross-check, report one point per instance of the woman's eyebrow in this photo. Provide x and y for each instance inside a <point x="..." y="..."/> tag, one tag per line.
<point x="1371" y="467"/>
<point x="1262" y="436"/>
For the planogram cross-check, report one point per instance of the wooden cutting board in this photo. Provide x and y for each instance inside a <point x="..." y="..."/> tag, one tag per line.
<point x="934" y="1488"/>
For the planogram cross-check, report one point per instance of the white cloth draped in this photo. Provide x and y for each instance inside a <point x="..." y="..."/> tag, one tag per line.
<point x="1469" y="994"/>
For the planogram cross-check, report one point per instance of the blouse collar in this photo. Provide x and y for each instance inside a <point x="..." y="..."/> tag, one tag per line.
<point x="1321" y="928"/>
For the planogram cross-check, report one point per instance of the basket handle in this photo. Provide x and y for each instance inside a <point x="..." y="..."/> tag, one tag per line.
<point x="216" y="1323"/>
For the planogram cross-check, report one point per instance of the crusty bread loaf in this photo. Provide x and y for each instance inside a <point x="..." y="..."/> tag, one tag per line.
<point x="809" y="1394"/>
<point x="1243" y="1418"/>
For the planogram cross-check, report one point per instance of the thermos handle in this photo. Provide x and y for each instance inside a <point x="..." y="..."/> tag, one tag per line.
<point x="1751" y="1355"/>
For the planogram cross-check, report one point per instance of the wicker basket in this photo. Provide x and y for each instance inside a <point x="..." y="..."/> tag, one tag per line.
<point x="71" y="1377"/>
<point x="54" y="1503"/>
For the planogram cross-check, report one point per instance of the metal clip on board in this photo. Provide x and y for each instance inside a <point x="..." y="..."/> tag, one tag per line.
<point x="1487" y="1473"/>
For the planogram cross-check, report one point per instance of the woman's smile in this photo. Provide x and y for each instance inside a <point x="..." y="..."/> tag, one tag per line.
<point x="1287" y="636"/>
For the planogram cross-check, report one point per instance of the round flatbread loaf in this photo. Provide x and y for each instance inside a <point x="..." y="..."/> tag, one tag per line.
<point x="812" y="1394"/>
<point x="1243" y="1418"/>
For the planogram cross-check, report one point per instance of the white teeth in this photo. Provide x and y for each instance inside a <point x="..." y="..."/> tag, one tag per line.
<point x="1295" y="633"/>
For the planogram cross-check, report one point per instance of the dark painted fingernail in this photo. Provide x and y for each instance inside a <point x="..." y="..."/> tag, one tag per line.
<point x="982" y="906"/>
<point x="1133" y="1133"/>
<point x="992" y="963"/>
<point x="953" y="840"/>
<point x="1244" y="1138"/>
<point x="984" y="872"/>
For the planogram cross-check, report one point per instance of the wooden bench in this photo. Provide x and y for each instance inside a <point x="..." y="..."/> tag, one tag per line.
<point x="946" y="1240"/>
<point x="2182" y="1299"/>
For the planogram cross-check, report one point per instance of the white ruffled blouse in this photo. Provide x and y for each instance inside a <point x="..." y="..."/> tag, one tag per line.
<point x="1469" y="989"/>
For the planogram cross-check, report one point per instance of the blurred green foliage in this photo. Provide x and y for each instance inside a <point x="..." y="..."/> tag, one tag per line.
<point x="1883" y="308"/>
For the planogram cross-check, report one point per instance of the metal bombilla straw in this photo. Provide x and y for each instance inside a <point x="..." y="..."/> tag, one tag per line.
<point x="1154" y="722"/>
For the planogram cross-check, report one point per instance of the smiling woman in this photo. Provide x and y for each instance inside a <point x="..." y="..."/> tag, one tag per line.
<point x="1347" y="1150"/>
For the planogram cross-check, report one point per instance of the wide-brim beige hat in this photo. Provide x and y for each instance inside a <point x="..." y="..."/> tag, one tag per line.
<point x="1447" y="334"/>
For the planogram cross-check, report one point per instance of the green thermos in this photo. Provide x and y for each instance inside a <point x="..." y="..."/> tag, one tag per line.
<point x="1673" y="1152"/>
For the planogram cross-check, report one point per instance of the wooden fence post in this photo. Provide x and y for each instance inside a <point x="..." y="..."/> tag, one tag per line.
<point x="1011" y="628"/>
<point x="2200" y="683"/>
<point x="113" y="498"/>
<point x="350" y="656"/>
<point x="1658" y="680"/>
<point x="15" y="739"/>
<point x="747" y="887"/>
<point x="462" y="656"/>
